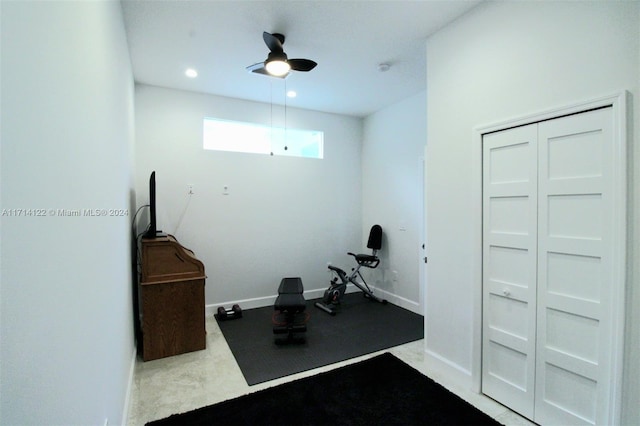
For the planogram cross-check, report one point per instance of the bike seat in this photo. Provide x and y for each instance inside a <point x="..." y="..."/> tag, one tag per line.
<point x="368" y="260"/>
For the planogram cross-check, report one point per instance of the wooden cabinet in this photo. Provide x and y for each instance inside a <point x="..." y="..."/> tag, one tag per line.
<point x="171" y="299"/>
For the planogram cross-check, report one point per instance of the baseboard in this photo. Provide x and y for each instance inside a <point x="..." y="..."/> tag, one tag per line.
<point x="260" y="302"/>
<point x="402" y="302"/>
<point x="126" y="409"/>
<point x="457" y="375"/>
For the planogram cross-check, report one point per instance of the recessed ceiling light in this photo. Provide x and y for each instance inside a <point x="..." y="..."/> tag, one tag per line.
<point x="191" y="73"/>
<point x="292" y="93"/>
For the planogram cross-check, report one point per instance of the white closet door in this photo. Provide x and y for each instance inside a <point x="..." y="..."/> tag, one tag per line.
<point x="574" y="269"/>
<point x="509" y="266"/>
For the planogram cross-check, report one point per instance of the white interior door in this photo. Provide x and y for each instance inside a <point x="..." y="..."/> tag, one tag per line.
<point x="574" y="269"/>
<point x="552" y="230"/>
<point x="509" y="266"/>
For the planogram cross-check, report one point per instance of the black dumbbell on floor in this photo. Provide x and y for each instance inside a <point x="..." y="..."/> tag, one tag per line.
<point x="228" y="314"/>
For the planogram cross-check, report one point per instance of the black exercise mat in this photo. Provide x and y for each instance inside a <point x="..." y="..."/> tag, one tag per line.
<point x="379" y="391"/>
<point x="361" y="326"/>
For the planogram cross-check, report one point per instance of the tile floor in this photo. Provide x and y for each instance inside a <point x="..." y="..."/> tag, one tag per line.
<point x="185" y="382"/>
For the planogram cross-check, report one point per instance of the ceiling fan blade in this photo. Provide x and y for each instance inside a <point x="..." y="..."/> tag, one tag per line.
<point x="259" y="68"/>
<point x="302" y="64"/>
<point x="256" y="67"/>
<point x="273" y="42"/>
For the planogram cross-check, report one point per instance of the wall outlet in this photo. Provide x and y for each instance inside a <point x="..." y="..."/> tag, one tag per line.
<point x="394" y="276"/>
<point x="190" y="189"/>
<point x="225" y="190"/>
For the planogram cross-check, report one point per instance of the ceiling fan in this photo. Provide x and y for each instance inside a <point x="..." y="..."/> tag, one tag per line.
<point x="277" y="64"/>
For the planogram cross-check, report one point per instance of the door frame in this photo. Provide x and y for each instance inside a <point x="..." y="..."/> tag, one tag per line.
<point x="621" y="136"/>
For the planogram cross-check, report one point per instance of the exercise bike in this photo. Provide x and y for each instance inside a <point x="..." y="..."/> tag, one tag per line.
<point x="338" y="285"/>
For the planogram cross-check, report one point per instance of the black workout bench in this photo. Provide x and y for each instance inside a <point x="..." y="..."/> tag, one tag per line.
<point x="290" y="316"/>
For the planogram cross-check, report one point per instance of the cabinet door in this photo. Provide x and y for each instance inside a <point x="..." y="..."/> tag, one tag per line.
<point x="574" y="269"/>
<point x="509" y="266"/>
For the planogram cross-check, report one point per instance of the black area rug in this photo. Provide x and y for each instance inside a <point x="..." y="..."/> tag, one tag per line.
<point x="379" y="391"/>
<point x="362" y="326"/>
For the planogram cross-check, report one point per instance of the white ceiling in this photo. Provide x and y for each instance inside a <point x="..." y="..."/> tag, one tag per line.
<point x="348" y="39"/>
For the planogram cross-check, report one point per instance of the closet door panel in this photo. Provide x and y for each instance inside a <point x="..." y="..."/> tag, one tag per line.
<point x="574" y="269"/>
<point x="509" y="266"/>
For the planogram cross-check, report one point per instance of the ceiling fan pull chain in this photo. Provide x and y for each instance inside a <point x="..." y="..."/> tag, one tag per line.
<point x="285" y="115"/>
<point x="271" y="103"/>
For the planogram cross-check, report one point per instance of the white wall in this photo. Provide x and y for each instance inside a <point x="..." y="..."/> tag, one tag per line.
<point x="67" y="114"/>
<point x="392" y="195"/>
<point x="282" y="217"/>
<point x="505" y="60"/>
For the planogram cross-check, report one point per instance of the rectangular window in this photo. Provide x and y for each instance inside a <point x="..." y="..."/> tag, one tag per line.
<point x="225" y="135"/>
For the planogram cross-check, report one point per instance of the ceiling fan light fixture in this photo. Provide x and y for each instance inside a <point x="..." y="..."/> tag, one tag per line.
<point x="277" y="63"/>
<point x="277" y="67"/>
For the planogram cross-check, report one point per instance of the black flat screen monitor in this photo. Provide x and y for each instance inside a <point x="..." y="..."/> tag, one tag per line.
<point x="152" y="230"/>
